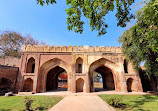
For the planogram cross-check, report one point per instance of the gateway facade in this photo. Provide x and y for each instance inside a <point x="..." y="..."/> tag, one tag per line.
<point x="41" y="65"/>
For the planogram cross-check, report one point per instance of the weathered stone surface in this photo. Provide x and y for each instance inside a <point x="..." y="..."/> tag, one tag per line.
<point x="46" y="48"/>
<point x="29" y="48"/>
<point x="80" y="48"/>
<point x="69" y="49"/>
<point x="91" y="49"/>
<point x="64" y="48"/>
<point x="58" y="48"/>
<point x="49" y="62"/>
<point x="75" y="48"/>
<point x="86" y="48"/>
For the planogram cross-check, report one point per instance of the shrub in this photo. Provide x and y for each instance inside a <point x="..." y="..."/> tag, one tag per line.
<point x="28" y="101"/>
<point x="115" y="101"/>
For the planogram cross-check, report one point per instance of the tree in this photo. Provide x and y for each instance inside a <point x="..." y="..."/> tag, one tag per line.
<point x="11" y="42"/>
<point x="140" y="43"/>
<point x="95" y="11"/>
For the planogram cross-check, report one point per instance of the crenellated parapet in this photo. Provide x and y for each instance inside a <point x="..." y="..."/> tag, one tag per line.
<point x="58" y="48"/>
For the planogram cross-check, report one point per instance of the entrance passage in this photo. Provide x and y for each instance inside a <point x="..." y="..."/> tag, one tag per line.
<point x="57" y="79"/>
<point x="103" y="79"/>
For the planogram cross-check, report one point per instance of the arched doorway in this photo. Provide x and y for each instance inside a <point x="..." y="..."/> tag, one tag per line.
<point x="30" y="65"/>
<point x="80" y="85"/>
<point x="79" y="65"/>
<point x="28" y="85"/>
<point x="56" y="79"/>
<point x="104" y="69"/>
<point x="129" y="84"/>
<point x="106" y="79"/>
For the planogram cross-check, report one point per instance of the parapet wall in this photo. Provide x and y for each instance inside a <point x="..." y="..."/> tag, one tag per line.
<point x="58" y="48"/>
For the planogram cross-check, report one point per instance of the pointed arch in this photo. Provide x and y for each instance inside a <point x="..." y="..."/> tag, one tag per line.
<point x="80" y="85"/>
<point x="48" y="66"/>
<point x="129" y="84"/>
<point x="30" y="68"/>
<point x="28" y="85"/>
<point x="79" y="65"/>
<point x="107" y="69"/>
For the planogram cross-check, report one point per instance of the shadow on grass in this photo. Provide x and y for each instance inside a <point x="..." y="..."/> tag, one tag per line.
<point x="41" y="108"/>
<point x="141" y="101"/>
<point x="5" y="110"/>
<point x="137" y="104"/>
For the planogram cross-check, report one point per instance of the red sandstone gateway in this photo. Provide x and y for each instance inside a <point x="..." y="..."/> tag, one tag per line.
<point x="41" y="66"/>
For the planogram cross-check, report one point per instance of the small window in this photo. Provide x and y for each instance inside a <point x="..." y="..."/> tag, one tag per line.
<point x="79" y="65"/>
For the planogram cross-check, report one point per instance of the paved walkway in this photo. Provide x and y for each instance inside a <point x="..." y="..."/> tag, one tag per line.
<point x="82" y="103"/>
<point x="66" y="93"/>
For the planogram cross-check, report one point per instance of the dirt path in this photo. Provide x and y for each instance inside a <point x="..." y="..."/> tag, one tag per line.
<point x="82" y="103"/>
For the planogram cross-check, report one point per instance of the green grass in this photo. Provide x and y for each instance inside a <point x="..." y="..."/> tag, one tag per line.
<point x="16" y="103"/>
<point x="135" y="102"/>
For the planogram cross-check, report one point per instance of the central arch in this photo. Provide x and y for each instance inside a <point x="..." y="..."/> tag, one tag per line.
<point x="53" y="68"/>
<point x="104" y="68"/>
<point x="55" y="79"/>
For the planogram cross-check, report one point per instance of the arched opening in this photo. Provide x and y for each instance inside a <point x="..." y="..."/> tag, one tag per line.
<point x="103" y="79"/>
<point x="129" y="84"/>
<point x="28" y="85"/>
<point x="125" y="66"/>
<point x="56" y="79"/>
<point x="98" y="81"/>
<point x="30" y="65"/>
<point x="80" y="85"/>
<point x="79" y="65"/>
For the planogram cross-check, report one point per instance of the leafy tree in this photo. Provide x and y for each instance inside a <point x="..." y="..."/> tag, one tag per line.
<point x="11" y="42"/>
<point x="140" y="43"/>
<point x="95" y="11"/>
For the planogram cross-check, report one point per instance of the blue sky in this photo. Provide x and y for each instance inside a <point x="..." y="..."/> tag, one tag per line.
<point x="48" y="23"/>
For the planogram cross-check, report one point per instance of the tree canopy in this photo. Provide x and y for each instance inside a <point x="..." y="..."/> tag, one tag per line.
<point x="11" y="42"/>
<point x="140" y="43"/>
<point x="95" y="11"/>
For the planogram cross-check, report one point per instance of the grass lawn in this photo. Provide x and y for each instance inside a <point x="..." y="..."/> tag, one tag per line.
<point x="135" y="102"/>
<point x="16" y="103"/>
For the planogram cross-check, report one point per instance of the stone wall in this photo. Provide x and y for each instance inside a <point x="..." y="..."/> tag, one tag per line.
<point x="71" y="58"/>
<point x="8" y="77"/>
<point x="10" y="61"/>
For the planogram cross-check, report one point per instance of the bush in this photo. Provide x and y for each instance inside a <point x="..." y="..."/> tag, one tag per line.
<point x="115" y="102"/>
<point x="28" y="101"/>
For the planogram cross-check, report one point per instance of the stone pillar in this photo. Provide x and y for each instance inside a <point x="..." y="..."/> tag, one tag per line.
<point x="21" y="72"/>
<point x="37" y="68"/>
<point x="122" y="79"/>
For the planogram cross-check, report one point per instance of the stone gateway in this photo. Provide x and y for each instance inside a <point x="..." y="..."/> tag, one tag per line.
<point x="40" y="67"/>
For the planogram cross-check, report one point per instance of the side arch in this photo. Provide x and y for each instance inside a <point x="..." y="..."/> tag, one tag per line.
<point x="30" y="67"/>
<point x="46" y="67"/>
<point x="129" y="84"/>
<point x="80" y="84"/>
<point x="28" y="85"/>
<point x="105" y="64"/>
<point x="79" y="65"/>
